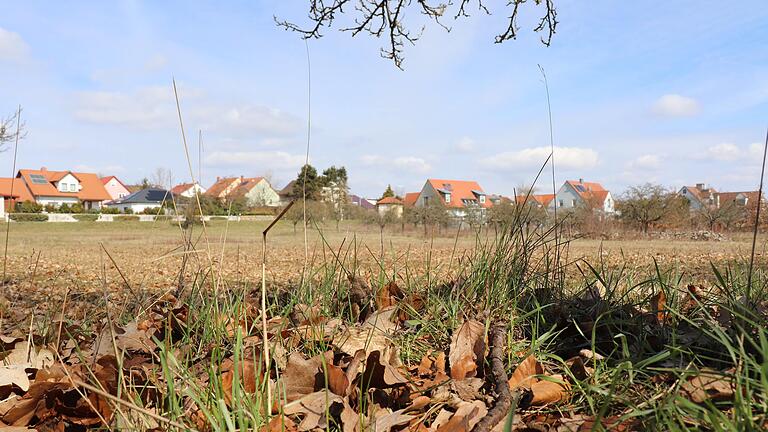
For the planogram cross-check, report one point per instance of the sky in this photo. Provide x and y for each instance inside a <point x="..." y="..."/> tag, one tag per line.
<point x="655" y="91"/>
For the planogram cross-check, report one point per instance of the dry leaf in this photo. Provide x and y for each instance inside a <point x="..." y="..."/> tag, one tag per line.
<point x="708" y="385"/>
<point x="380" y="374"/>
<point x="547" y="392"/>
<point x="300" y="376"/>
<point x="280" y="423"/>
<point x="467" y="347"/>
<point x="386" y="421"/>
<point x="525" y="373"/>
<point x="658" y="307"/>
<point x="389" y="295"/>
<point x="14" y="375"/>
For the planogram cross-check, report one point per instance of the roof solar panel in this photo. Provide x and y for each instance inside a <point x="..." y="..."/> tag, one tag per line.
<point x="38" y="179"/>
<point x="580" y="188"/>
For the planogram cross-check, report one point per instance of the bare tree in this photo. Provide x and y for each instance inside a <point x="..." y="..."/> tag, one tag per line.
<point x="650" y="204"/>
<point x="386" y="18"/>
<point x="8" y="130"/>
<point x="161" y="178"/>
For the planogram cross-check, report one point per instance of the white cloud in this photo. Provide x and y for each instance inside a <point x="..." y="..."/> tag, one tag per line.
<point x="465" y="145"/>
<point x="270" y="159"/>
<point x="646" y="162"/>
<point x="411" y="164"/>
<point x="12" y="46"/>
<point x="566" y="158"/>
<point x="674" y="105"/>
<point x="724" y="152"/>
<point x="154" y="107"/>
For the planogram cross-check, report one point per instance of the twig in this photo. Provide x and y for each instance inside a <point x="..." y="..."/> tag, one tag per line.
<point x="13" y="177"/>
<point x="757" y="220"/>
<point x="504" y="399"/>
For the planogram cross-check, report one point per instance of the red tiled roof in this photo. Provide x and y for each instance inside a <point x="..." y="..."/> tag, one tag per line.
<point x="20" y="190"/>
<point x="726" y="197"/>
<point x="542" y="199"/>
<point x="245" y="186"/>
<point x="460" y="191"/>
<point x="105" y="180"/>
<point x="181" y="188"/>
<point x="390" y="200"/>
<point x="589" y="190"/>
<point x="411" y="198"/>
<point x="217" y="189"/>
<point x="92" y="189"/>
<point x="699" y="194"/>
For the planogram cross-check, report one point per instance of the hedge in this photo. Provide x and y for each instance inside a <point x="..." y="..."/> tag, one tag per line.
<point x="125" y="218"/>
<point x="86" y="217"/>
<point x="29" y="217"/>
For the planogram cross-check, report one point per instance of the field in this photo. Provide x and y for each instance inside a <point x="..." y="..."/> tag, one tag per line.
<point x="159" y="326"/>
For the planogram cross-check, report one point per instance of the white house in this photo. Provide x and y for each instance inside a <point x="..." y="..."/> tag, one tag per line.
<point x="573" y="194"/>
<point x="458" y="196"/>
<point x="391" y="205"/>
<point x="700" y="196"/>
<point x="257" y="191"/>
<point x="139" y="201"/>
<point x="64" y="187"/>
<point x="187" y="190"/>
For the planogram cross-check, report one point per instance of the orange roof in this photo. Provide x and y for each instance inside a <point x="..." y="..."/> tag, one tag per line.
<point x="541" y="199"/>
<point x="181" y="188"/>
<point x="222" y="184"/>
<point x="20" y="190"/>
<point x="105" y="180"/>
<point x="410" y="198"/>
<point x="390" y="200"/>
<point x="461" y="191"/>
<point x="245" y="186"/>
<point x="726" y="197"/>
<point x="700" y="194"/>
<point x="589" y="190"/>
<point x="91" y="187"/>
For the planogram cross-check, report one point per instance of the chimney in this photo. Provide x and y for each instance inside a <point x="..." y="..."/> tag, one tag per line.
<point x="43" y="169"/>
<point x="218" y="178"/>
<point x="581" y="180"/>
<point x="700" y="186"/>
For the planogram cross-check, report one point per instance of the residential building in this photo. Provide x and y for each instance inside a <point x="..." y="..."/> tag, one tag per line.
<point x="539" y="200"/>
<point x="578" y="193"/>
<point x="187" y="190"/>
<point x="746" y="198"/>
<point x="700" y="196"/>
<point x="286" y="193"/>
<point x="223" y="187"/>
<point x="410" y="199"/>
<point x="257" y="192"/>
<point x="138" y="202"/>
<point x="364" y="203"/>
<point x="391" y="205"/>
<point x="115" y="188"/>
<point x="64" y="187"/>
<point x="12" y="192"/>
<point x="458" y="196"/>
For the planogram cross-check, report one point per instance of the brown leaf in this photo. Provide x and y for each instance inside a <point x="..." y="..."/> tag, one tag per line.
<point x="425" y="367"/>
<point x="386" y="421"/>
<point x="300" y="375"/>
<point x="547" y="392"/>
<point x="388" y="295"/>
<point x="313" y="408"/>
<point x="708" y="385"/>
<point x="466" y="417"/>
<point x="380" y="374"/>
<point x="525" y="373"/>
<point x="337" y="379"/>
<point x="658" y="307"/>
<point x="246" y="374"/>
<point x="14" y="375"/>
<point x="467" y="347"/>
<point x="280" y="423"/>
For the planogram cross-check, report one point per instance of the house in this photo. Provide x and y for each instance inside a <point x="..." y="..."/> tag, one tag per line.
<point x="256" y="191"/>
<point x="64" y="187"/>
<point x="410" y="199"/>
<point x="539" y="200"/>
<point x="574" y="194"/>
<point x="115" y="188"/>
<point x="137" y="202"/>
<point x="390" y="205"/>
<point x="743" y="199"/>
<point x="458" y="196"/>
<point x="223" y="187"/>
<point x="364" y="203"/>
<point x="700" y="196"/>
<point x="286" y="193"/>
<point x="187" y="189"/>
<point x="12" y="192"/>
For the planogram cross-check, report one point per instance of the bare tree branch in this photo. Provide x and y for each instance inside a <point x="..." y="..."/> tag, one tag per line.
<point x="8" y="130"/>
<point x="386" y="18"/>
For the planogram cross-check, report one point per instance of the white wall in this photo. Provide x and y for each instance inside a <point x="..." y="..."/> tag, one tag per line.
<point x="263" y="194"/>
<point x="136" y="207"/>
<point x="195" y="189"/>
<point x="57" y="201"/>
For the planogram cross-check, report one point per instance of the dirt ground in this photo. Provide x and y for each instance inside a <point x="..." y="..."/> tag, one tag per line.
<point x="53" y="257"/>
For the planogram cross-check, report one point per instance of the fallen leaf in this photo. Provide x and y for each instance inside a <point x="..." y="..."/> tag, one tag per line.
<point x="281" y="423"/>
<point x="389" y="295"/>
<point x="380" y="374"/>
<point x="547" y="392"/>
<point x="658" y="307"/>
<point x="467" y="347"/>
<point x="708" y="385"/>
<point x="525" y="373"/>
<point x="386" y="421"/>
<point x="300" y="376"/>
<point x="14" y="375"/>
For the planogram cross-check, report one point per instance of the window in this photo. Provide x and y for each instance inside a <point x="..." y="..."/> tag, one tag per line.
<point x="447" y="197"/>
<point x="482" y="199"/>
<point x="72" y="187"/>
<point x="561" y="203"/>
<point x="573" y="203"/>
<point x="63" y="187"/>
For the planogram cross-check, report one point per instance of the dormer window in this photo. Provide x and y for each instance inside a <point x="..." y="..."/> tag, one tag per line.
<point x="482" y="199"/>
<point x="63" y="187"/>
<point x="72" y="187"/>
<point x="447" y="197"/>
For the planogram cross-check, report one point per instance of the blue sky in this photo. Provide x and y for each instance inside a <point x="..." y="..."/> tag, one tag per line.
<point x="668" y="92"/>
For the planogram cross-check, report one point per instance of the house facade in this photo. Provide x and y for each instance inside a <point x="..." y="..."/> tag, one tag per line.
<point x="578" y="193"/>
<point x="457" y="196"/>
<point x="390" y="205"/>
<point x="257" y="192"/>
<point x="142" y="200"/>
<point x="64" y="187"/>
<point x="115" y="188"/>
<point x="187" y="190"/>
<point x="700" y="196"/>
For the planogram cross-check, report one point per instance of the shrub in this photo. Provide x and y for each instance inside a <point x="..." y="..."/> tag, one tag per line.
<point x="29" y="207"/>
<point x="29" y="217"/>
<point x="151" y="211"/>
<point x="77" y="208"/>
<point x="50" y="208"/>
<point x="126" y="218"/>
<point x="64" y="208"/>
<point x="128" y="210"/>
<point x="86" y="217"/>
<point x="110" y="210"/>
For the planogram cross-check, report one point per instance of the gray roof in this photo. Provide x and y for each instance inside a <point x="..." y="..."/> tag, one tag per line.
<point x="145" y="196"/>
